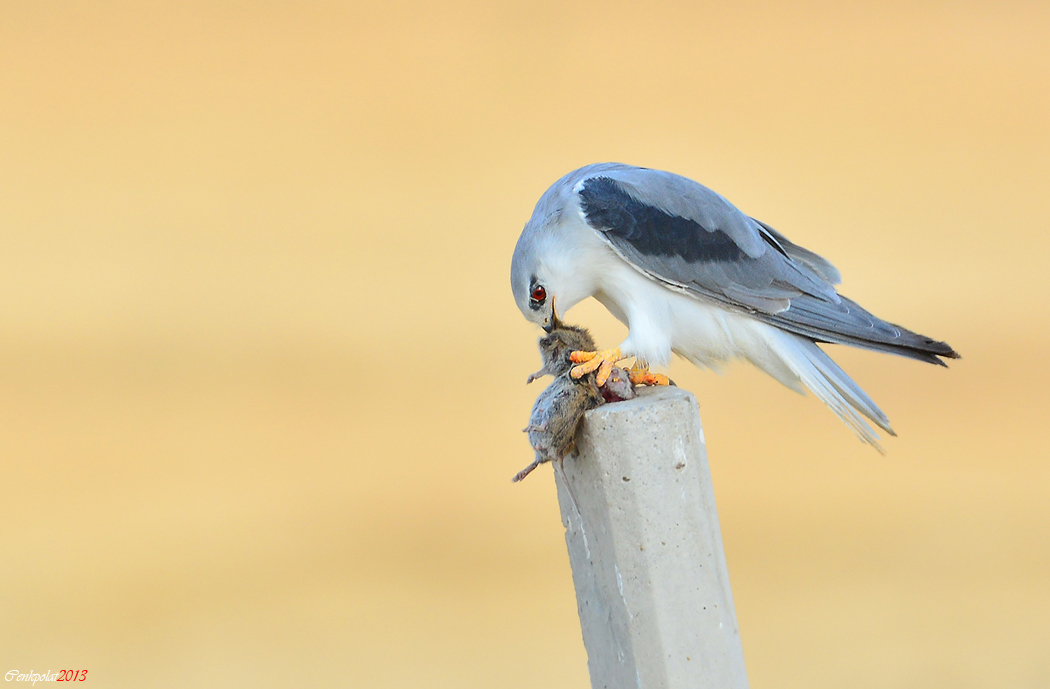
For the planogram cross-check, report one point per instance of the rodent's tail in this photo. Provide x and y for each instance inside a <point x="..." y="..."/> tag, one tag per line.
<point x="559" y="466"/>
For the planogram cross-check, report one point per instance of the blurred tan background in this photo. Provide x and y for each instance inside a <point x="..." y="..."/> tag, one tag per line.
<point x="261" y="374"/>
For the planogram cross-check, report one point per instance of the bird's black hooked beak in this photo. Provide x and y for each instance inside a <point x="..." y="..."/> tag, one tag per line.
<point x="553" y="321"/>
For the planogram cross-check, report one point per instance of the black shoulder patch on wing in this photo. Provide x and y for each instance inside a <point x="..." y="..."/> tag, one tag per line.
<point x="649" y="230"/>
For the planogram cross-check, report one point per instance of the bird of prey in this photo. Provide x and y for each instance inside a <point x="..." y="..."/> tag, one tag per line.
<point x="689" y="273"/>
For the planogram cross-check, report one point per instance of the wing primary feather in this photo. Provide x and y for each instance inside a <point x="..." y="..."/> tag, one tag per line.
<point x="848" y="323"/>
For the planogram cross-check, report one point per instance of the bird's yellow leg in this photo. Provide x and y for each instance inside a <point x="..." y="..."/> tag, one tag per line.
<point x="639" y="374"/>
<point x="591" y="361"/>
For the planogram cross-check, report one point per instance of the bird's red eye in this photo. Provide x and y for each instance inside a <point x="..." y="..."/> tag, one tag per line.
<point x="538" y="293"/>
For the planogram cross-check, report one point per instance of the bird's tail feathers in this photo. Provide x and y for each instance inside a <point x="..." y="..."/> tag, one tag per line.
<point x="830" y="383"/>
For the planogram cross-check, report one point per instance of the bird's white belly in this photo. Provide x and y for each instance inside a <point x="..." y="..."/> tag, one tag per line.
<point x="662" y="320"/>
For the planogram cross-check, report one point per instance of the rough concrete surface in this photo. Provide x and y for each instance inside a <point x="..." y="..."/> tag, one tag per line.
<point x="646" y="549"/>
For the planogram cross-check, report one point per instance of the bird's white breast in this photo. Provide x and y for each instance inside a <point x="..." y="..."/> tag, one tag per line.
<point x="663" y="320"/>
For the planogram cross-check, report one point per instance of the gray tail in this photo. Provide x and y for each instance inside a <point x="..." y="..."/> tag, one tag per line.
<point x="830" y="383"/>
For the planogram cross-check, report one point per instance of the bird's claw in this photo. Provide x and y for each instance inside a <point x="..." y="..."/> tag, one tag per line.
<point x="640" y="375"/>
<point x="601" y="361"/>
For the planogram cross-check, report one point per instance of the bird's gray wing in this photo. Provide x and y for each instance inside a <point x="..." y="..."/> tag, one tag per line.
<point x="690" y="238"/>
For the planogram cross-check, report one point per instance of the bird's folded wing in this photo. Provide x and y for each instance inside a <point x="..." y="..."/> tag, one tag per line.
<point x="691" y="239"/>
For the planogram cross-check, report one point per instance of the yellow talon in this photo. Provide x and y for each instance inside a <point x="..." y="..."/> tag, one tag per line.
<point x="639" y="375"/>
<point x="592" y="360"/>
<point x="604" y="370"/>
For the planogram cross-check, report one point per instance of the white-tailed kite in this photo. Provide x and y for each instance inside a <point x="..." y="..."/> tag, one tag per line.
<point x="689" y="273"/>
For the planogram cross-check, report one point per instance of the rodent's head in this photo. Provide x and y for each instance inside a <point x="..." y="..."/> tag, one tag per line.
<point x="563" y="340"/>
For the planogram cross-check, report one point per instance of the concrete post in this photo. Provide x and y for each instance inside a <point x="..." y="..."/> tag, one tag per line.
<point x="646" y="550"/>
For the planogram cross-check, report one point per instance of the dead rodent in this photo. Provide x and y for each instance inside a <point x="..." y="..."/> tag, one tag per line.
<point x="556" y="416"/>
<point x="557" y="345"/>
<point x="559" y="409"/>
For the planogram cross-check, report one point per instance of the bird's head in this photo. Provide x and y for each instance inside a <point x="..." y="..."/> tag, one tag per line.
<point x="536" y="288"/>
<point x="546" y="270"/>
